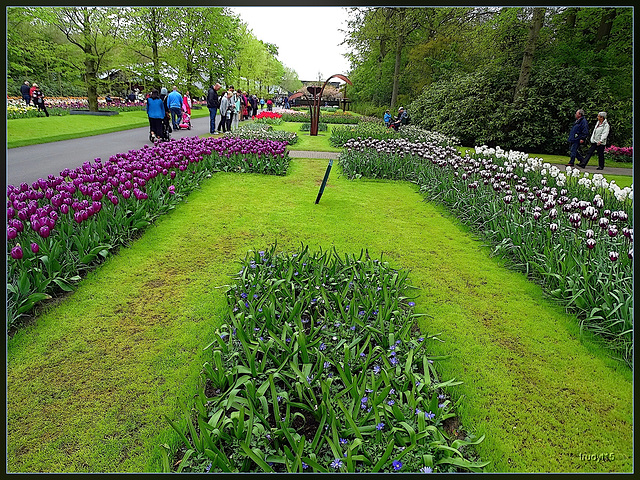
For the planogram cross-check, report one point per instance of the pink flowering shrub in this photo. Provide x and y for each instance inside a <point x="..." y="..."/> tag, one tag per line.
<point x="619" y="154"/>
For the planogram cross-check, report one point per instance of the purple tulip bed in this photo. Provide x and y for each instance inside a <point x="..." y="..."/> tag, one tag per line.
<point x="319" y="366"/>
<point x="571" y="233"/>
<point x="61" y="227"/>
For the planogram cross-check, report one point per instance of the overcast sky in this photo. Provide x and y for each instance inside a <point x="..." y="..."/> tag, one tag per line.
<point x="294" y="30"/>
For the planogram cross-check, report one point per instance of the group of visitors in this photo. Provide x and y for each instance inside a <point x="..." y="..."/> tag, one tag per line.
<point x="162" y="107"/>
<point x="232" y="105"/>
<point x="32" y="93"/>
<point x="578" y="136"/>
<point x="401" y="119"/>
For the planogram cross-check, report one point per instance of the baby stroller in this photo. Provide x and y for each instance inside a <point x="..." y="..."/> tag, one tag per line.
<point x="165" y="136"/>
<point x="185" y="123"/>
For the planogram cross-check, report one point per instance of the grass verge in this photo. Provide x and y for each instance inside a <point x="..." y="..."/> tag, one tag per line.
<point x="89" y="382"/>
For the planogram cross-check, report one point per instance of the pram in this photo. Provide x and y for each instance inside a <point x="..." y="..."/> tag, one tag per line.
<point x="185" y="123"/>
<point x="165" y="135"/>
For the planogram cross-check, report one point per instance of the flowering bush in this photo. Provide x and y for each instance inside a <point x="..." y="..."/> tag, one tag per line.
<point x="60" y="227"/>
<point x="316" y="367"/>
<point x="619" y="154"/>
<point x="583" y="227"/>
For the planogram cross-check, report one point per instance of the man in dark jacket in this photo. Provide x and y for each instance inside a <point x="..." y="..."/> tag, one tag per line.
<point x="213" y="104"/>
<point x="24" y="91"/>
<point x="577" y="137"/>
<point x="402" y="119"/>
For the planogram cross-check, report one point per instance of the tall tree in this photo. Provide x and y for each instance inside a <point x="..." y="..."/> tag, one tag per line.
<point x="145" y="35"/>
<point x="604" y="30"/>
<point x="529" y="50"/>
<point x="95" y="31"/>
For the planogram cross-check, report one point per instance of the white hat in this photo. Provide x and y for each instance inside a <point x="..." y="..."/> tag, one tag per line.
<point x="401" y="108"/>
<point x="163" y="91"/>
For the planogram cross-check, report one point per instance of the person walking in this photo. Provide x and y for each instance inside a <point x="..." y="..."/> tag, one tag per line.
<point x="231" y="108"/>
<point x="186" y="102"/>
<point x="156" y="113"/>
<point x="577" y="136"/>
<point x="31" y="90"/>
<point x="598" y="141"/>
<point x="262" y="104"/>
<point x="269" y="105"/>
<point x="174" y="102"/>
<point x="24" y="91"/>
<point x="224" y="106"/>
<point x="38" y="99"/>
<point x="253" y="104"/>
<point x="213" y="104"/>
<point x="167" y="114"/>
<point x="237" y="112"/>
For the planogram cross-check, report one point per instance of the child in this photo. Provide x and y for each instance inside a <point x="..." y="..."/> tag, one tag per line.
<point x="387" y="119"/>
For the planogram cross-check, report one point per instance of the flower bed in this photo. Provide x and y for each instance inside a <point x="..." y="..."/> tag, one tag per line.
<point x="61" y="227"/>
<point x="264" y="132"/>
<point x="270" y="118"/>
<point x="58" y="106"/>
<point x="340" y="118"/>
<point x="374" y="128"/>
<point x="318" y="367"/>
<point x="572" y="232"/>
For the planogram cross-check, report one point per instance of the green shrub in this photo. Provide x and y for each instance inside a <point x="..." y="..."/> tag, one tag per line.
<point x="478" y="108"/>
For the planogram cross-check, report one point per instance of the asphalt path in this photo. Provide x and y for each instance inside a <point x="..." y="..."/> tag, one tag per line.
<point x="28" y="164"/>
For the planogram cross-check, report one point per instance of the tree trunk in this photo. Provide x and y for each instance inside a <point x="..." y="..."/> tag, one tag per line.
<point x="154" y="48"/>
<point x="529" y="50"/>
<point x="90" y="66"/>
<point x="396" y="71"/>
<point x="604" y="30"/>
<point x="571" y="19"/>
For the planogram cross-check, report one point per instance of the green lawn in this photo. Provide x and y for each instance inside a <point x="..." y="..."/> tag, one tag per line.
<point x="89" y="383"/>
<point x="306" y="142"/>
<point x="32" y="131"/>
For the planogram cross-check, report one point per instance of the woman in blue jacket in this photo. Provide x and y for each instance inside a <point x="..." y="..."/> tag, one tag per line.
<point x="156" y="113"/>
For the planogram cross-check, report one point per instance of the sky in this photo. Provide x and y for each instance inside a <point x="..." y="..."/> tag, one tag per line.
<point x="294" y="30"/>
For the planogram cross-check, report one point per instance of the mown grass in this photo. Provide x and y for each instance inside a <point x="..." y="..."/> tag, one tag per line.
<point x="33" y="131"/>
<point x="88" y="384"/>
<point x="306" y="142"/>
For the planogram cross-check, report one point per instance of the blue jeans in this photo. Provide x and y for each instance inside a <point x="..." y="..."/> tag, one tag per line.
<point x="176" y="115"/>
<point x="575" y="153"/>
<point x="212" y="120"/>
